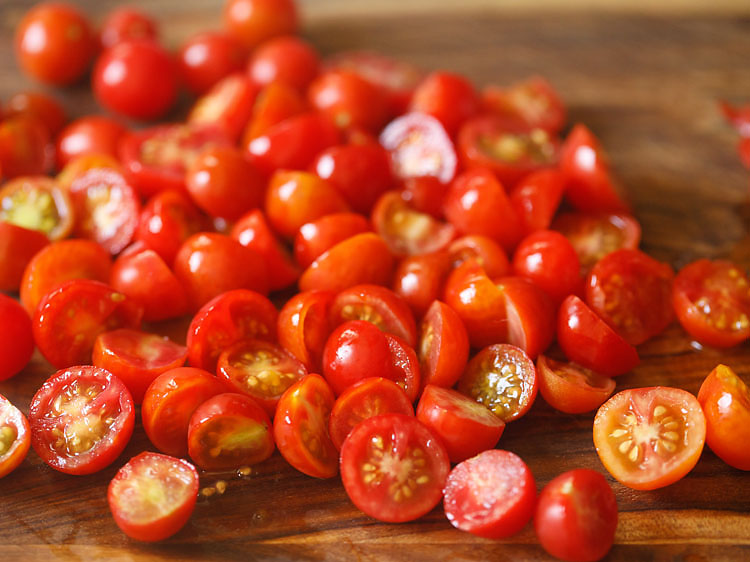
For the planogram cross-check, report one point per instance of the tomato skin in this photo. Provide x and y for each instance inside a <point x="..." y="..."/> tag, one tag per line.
<point x="586" y="339"/>
<point x="253" y="21"/>
<point x="670" y="455"/>
<point x="303" y="326"/>
<point x="536" y="198"/>
<point x="349" y="100"/>
<point x="46" y="418"/>
<point x="54" y="43"/>
<point x="301" y="427"/>
<point x="464" y="427"/>
<point x="449" y="97"/>
<point x="532" y="103"/>
<point x="419" y="280"/>
<point x="530" y="314"/>
<point x="24" y="147"/>
<point x="405" y="366"/>
<point x="18" y="246"/>
<point x="92" y="134"/>
<point x="174" y="478"/>
<point x="36" y="104"/>
<point x="425" y="194"/>
<point x="570" y="388"/>
<point x="485" y="251"/>
<point x="204" y="59"/>
<point x="169" y="403"/>
<point x="491" y="495"/>
<point x="725" y="400"/>
<point x="274" y="103"/>
<point x="576" y="516"/>
<point x="315" y="238"/>
<point x="16" y="338"/>
<point x="127" y="24"/>
<point x="16" y="439"/>
<point x="399" y="435"/>
<point x="443" y="346"/>
<point x="549" y="260"/>
<point x="37" y="202"/>
<point x="227" y="105"/>
<point x="286" y="59"/>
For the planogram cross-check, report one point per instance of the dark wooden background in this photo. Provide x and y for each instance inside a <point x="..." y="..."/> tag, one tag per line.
<point x="647" y="85"/>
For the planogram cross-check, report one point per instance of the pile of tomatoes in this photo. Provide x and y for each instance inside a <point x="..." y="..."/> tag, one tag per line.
<point x="422" y="242"/>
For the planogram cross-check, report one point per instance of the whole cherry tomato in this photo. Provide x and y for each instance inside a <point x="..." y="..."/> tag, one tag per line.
<point x="350" y="100"/>
<point x="206" y="58"/>
<point x="93" y="134"/>
<point x="253" y="21"/>
<point x="449" y="97"/>
<point x="127" y="24"/>
<point x="287" y="59"/>
<point x="549" y="260"/>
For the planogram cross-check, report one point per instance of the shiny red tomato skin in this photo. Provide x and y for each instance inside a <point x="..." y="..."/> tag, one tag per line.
<point x="530" y="313"/>
<point x="425" y="194"/>
<point x="443" y="346"/>
<point x="204" y="59"/>
<point x="227" y="105"/>
<point x="253" y="21"/>
<point x="482" y="249"/>
<point x="349" y="100"/>
<point x="287" y="59"/>
<point x="127" y="24"/>
<point x="317" y="237"/>
<point x="111" y="395"/>
<point x="576" y="516"/>
<point x="54" y="43"/>
<point x="449" y="97"/>
<point x="531" y="103"/>
<point x="16" y="337"/>
<point x="24" y="147"/>
<point x="571" y="388"/>
<point x="587" y="339"/>
<point x="548" y="259"/>
<point x="304" y="325"/>
<point x="275" y="103"/>
<point x="39" y="105"/>
<point x="536" y="198"/>
<point x="18" y="245"/>
<point x="405" y="364"/>
<point x="92" y="134"/>
<point x="16" y="450"/>
<point x="419" y="280"/>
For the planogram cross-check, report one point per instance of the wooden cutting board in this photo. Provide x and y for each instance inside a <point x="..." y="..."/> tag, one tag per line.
<point x="647" y="86"/>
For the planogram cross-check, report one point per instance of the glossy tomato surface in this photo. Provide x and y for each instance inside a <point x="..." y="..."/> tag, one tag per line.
<point x="16" y="337"/>
<point x="91" y="134"/>
<point x="15" y="439"/>
<point x="443" y="346"/>
<point x="419" y="280"/>
<point x="18" y="245"/>
<point x="317" y="237"/>
<point x="207" y="57"/>
<point x="227" y="106"/>
<point x="571" y="388"/>
<point x="127" y="24"/>
<point x="303" y="326"/>
<point x="253" y="21"/>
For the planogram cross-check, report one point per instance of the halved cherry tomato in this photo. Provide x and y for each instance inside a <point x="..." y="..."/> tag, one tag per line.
<point x="169" y="403"/>
<point x="273" y="104"/>
<point x="15" y="437"/>
<point x="315" y="238"/>
<point x="38" y="203"/>
<point x="16" y="337"/>
<point x="425" y="194"/>
<point x="571" y="388"/>
<point x="92" y="134"/>
<point x="153" y="496"/>
<point x="136" y="358"/>
<point x="725" y="399"/>
<point x="443" y="346"/>
<point x="503" y="378"/>
<point x="70" y="317"/>
<point x="464" y="427"/>
<point x="81" y="419"/>
<point x="576" y="516"/>
<point x="301" y="428"/>
<point x="25" y="148"/>
<point x="648" y="438"/>
<point x="304" y="325"/>
<point x="393" y="468"/>
<point x="127" y="24"/>
<point x="79" y="165"/>
<point x="449" y="97"/>
<point x="229" y="431"/>
<point x="261" y="370"/>
<point x="530" y="314"/>
<point x="492" y="495"/>
<point x="206" y="58"/>
<point x="18" y="245"/>
<point x="482" y="249"/>
<point x="405" y="366"/>
<point x="419" y="280"/>
<point x="363" y="400"/>
<point x="549" y="260"/>
<point x="253" y="21"/>
<point x="228" y="105"/>
<point x="587" y="339"/>
<point x="228" y="318"/>
<point x="712" y="302"/>
<point x="287" y="59"/>
<point x="350" y="100"/>
<point x="36" y="104"/>
<point x="536" y="198"/>
<point x="532" y="103"/>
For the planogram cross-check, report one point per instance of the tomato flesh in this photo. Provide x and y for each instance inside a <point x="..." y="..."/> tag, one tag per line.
<point x="570" y="388"/>
<point x="15" y="437"/>
<point x="39" y="204"/>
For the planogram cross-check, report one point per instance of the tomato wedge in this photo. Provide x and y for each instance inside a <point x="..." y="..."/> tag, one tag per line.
<point x="443" y="346"/>
<point x="303" y="326"/>
<point x="570" y="388"/>
<point x="15" y="437"/>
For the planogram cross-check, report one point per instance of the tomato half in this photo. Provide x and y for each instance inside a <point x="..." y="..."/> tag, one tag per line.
<point x="207" y="57"/>
<point x="419" y="280"/>
<point x="287" y="59"/>
<point x="303" y="326"/>
<point x="275" y="103"/>
<point x="15" y="437"/>
<point x="443" y="346"/>
<point x="228" y="105"/>
<point x="91" y="134"/>
<point x="531" y="103"/>
<point x="81" y="419"/>
<point x="317" y="237"/>
<point x="37" y="203"/>
<point x="549" y="260"/>
<point x="648" y="438"/>
<point x="447" y="96"/>
<point x="570" y="388"/>
<point x="530" y="314"/>
<point x="18" y="245"/>
<point x="253" y="21"/>
<point x="536" y="198"/>
<point x="482" y="249"/>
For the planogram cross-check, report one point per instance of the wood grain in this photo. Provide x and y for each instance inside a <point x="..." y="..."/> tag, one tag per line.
<point x="647" y="86"/>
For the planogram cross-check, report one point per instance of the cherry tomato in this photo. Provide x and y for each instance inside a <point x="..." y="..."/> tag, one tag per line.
<point x="82" y="164"/>
<point x="54" y="43"/>
<point x="301" y="427"/>
<point x="393" y="468"/>
<point x="536" y="198"/>
<point x="24" y="147"/>
<point x="93" y="134"/>
<point x="350" y="100"/>
<point x="491" y="495"/>
<point x="231" y="317"/>
<point x="137" y="79"/>
<point x="443" y="346"/>
<point x="253" y="21"/>
<point x="37" y="203"/>
<point x="317" y="237"/>
<point x="587" y="339"/>
<point x="570" y="388"/>
<point x="127" y="24"/>
<point x="153" y="496"/>
<point x="18" y="245"/>
<point x="712" y="302"/>
<point x="725" y="400"/>
<point x="81" y="420"/>
<point x="530" y="314"/>
<point x="449" y="97"/>
<point x="261" y="370"/>
<point x="169" y="403"/>
<point x="275" y="103"/>
<point x="548" y="259"/>
<point x="576" y="516"/>
<point x="464" y="427"/>
<point x="227" y="105"/>
<point x="15" y="437"/>
<point x="425" y="194"/>
<point x="648" y="438"/>
<point x="485" y="251"/>
<point x="303" y="326"/>
<point x="405" y="371"/>
<point x="206" y="58"/>
<point x="419" y="146"/>
<point x="287" y="59"/>
<point x="41" y="106"/>
<point x="16" y="339"/>
<point x="229" y="431"/>
<point x="419" y="280"/>
<point x="532" y="103"/>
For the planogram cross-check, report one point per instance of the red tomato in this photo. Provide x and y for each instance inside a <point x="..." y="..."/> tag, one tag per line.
<point x="477" y="203"/>
<point x="317" y="237"/>
<point x="82" y="164"/>
<point x="530" y="314"/>
<point x="648" y="438"/>
<point x="169" y="403"/>
<point x="485" y="251"/>
<point x="744" y="149"/>
<point x="228" y="105"/>
<point x="587" y="339"/>
<point x="231" y="317"/>
<point x="363" y="400"/>
<point x="570" y="388"/>
<point x="393" y="468"/>
<point x="18" y="246"/>
<point x="153" y="496"/>
<point x="631" y="292"/>
<point x="229" y="431"/>
<point x="287" y="59"/>
<point x="274" y="103"/>
<point x="59" y="262"/>
<point x="303" y="326"/>
<point x="206" y="58"/>
<point x="576" y="516"/>
<point x="259" y="369"/>
<point x="419" y="146"/>
<point x="425" y="194"/>
<point x="136" y="358"/>
<point x="15" y="437"/>
<point x="725" y="400"/>
<point x="405" y="364"/>
<point x="536" y="198"/>
<point x="81" y="420"/>
<point x="419" y="280"/>
<point x="503" y="378"/>
<point x="448" y="97"/>
<point x="253" y="21"/>
<point x="24" y="147"/>
<point x="210" y="264"/>
<point x="712" y="302"/>
<point x="492" y="495"/>
<point x="93" y="134"/>
<point x="54" y="43"/>
<point x="37" y="202"/>
<point x="590" y="186"/>
<point x="350" y="100"/>
<point x="43" y="107"/>
<point x="548" y="259"/>
<point x="127" y="24"/>
<point x="70" y="317"/>
<point x="443" y="346"/>
<point x="301" y="428"/>
<point x="464" y="427"/>
<point x="137" y="79"/>
<point x="16" y="340"/>
<point x="532" y="103"/>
